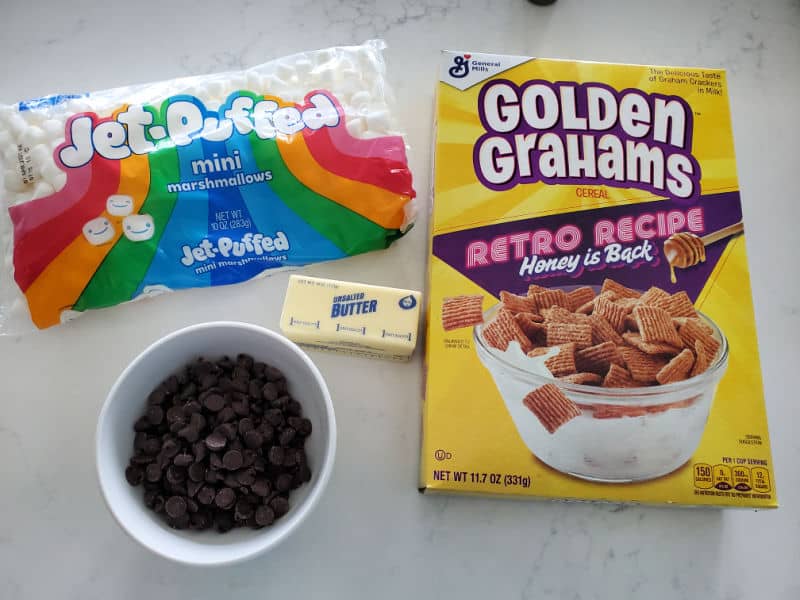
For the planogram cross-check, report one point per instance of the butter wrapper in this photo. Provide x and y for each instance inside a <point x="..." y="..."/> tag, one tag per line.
<point x="353" y="318"/>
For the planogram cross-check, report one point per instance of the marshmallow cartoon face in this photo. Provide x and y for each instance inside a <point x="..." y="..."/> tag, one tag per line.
<point x="119" y="205"/>
<point x="98" y="231"/>
<point x="138" y="228"/>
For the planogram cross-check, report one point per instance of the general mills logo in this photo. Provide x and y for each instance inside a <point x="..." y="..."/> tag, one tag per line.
<point x="460" y="66"/>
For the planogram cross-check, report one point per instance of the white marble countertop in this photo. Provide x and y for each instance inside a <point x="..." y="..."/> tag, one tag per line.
<point x="374" y="535"/>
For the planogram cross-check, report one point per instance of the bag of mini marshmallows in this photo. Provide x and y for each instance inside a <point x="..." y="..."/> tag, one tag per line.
<point x="201" y="181"/>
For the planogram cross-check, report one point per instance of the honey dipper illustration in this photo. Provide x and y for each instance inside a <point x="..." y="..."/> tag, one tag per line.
<point x="684" y="249"/>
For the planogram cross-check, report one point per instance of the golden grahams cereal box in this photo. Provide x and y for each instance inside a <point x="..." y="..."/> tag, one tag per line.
<point x="590" y="323"/>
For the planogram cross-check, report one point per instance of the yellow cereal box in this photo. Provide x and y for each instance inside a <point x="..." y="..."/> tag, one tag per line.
<point x="590" y="323"/>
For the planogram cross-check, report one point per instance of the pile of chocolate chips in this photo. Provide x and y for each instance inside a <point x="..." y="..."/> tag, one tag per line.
<point x="220" y="445"/>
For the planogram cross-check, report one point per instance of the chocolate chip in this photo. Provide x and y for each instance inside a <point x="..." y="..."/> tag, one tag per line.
<point x="175" y="507"/>
<point x="229" y="430"/>
<point x="303" y="473"/>
<point x="240" y="384"/>
<point x="261" y="486"/>
<point x="269" y="392"/>
<point x="206" y="495"/>
<point x="289" y="457"/>
<point x="141" y="424"/>
<point x="264" y="516"/>
<point x="215" y="461"/>
<point x="267" y="431"/>
<point x="189" y="433"/>
<point x="225" y="521"/>
<point x="275" y="455"/>
<point x="197" y="472"/>
<point x="175" y="414"/>
<point x="283" y="482"/>
<point x="152" y="446"/>
<point x="241" y="407"/>
<point x="232" y="460"/>
<point x="175" y="475"/>
<point x="253" y="439"/>
<point x="273" y="374"/>
<point x="226" y="414"/>
<point x="142" y="459"/>
<point x="254" y="389"/>
<point x="181" y="522"/>
<point x="286" y="436"/>
<point x="191" y="505"/>
<point x="280" y="505"/>
<point x="197" y="420"/>
<point x="183" y="460"/>
<point x="245" y="361"/>
<point x="246" y="477"/>
<point x="170" y="448"/>
<point x="244" y="510"/>
<point x="216" y="441"/>
<point x="249" y="457"/>
<point x="280" y="403"/>
<point x="134" y="475"/>
<point x="246" y="425"/>
<point x="225" y="498"/>
<point x="158" y="504"/>
<point x="152" y="472"/>
<point x="155" y="414"/>
<point x="293" y="408"/>
<point x="214" y="402"/>
<point x="192" y="487"/>
<point x="200" y="450"/>
<point x="157" y="396"/>
<point x="305" y="428"/>
<point x="274" y="417"/>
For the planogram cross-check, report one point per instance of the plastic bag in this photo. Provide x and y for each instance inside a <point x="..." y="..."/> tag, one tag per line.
<point x="200" y="181"/>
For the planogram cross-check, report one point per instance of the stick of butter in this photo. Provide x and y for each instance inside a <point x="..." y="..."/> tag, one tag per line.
<point x="354" y="318"/>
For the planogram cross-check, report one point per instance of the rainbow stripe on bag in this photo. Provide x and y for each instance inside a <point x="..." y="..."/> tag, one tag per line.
<point x="177" y="196"/>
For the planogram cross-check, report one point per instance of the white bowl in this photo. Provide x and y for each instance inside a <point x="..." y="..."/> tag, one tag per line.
<point x="127" y="400"/>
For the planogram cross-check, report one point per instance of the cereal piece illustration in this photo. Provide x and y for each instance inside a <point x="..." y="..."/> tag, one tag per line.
<point x="653" y="295"/>
<point x="516" y="303"/>
<point x="655" y="325"/>
<point x="98" y="231"/>
<point x="550" y="298"/>
<point x="678" y="305"/>
<point x="579" y="296"/>
<point x="532" y="327"/>
<point x="634" y="339"/>
<point x="502" y="330"/>
<point x="602" y="331"/>
<point x="138" y="228"/>
<point x="582" y="378"/>
<point x="643" y="367"/>
<point x="562" y="333"/>
<point x="677" y="369"/>
<point x="612" y="312"/>
<point x="619" y="290"/>
<point x="462" y="311"/>
<point x="562" y="363"/>
<point x="597" y="359"/>
<point x="703" y="358"/>
<point x="692" y="332"/>
<point x="119" y="205"/>
<point x="618" y="377"/>
<point x="551" y="407"/>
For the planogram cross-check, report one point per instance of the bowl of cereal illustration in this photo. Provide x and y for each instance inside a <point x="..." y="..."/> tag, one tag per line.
<point x="614" y="386"/>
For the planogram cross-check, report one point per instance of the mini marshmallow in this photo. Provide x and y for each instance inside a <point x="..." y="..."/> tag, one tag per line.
<point x="41" y="190"/>
<point x="98" y="231"/>
<point x="58" y="181"/>
<point x="119" y="205"/>
<point x="13" y="182"/>
<point x="138" y="228"/>
<point x="356" y="127"/>
<point x="53" y="128"/>
<point x="361" y="99"/>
